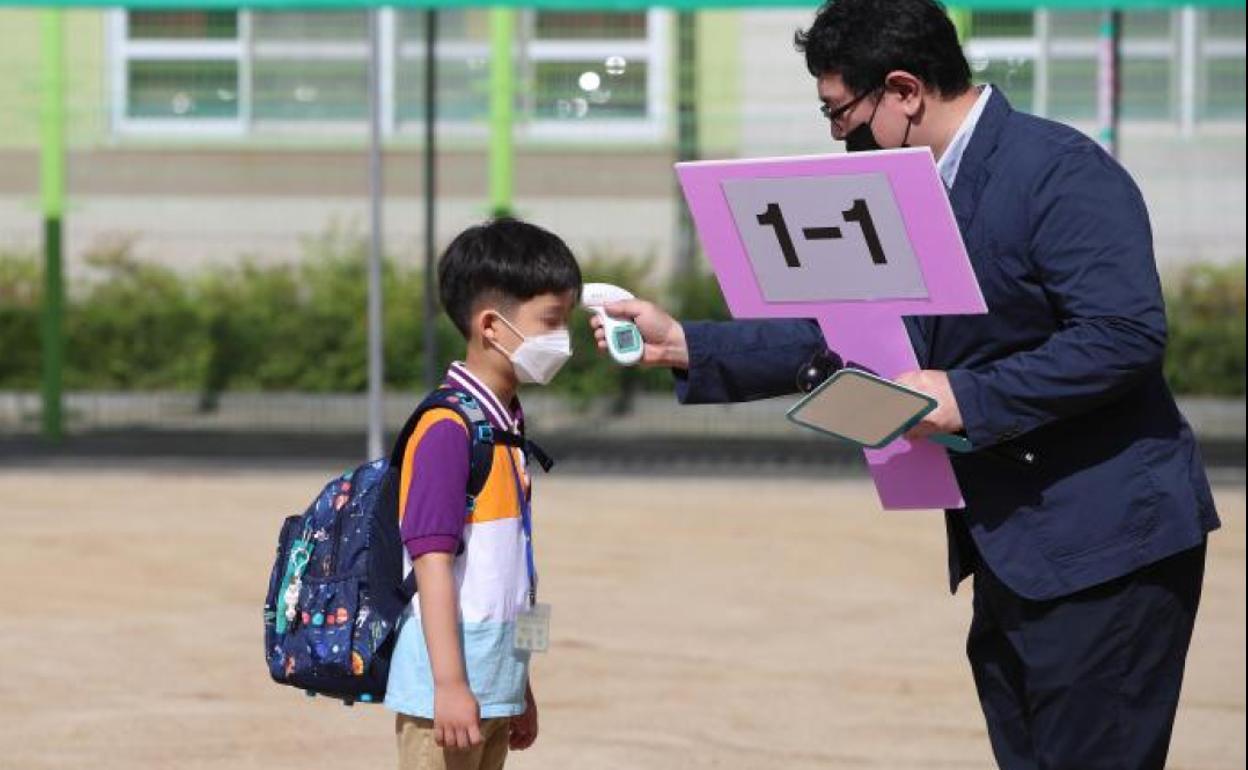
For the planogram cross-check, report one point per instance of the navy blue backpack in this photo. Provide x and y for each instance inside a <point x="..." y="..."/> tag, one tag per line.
<point x="337" y="590"/>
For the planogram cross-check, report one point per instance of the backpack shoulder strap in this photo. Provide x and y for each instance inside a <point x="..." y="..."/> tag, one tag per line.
<point x="480" y="433"/>
<point x="480" y="447"/>
<point x="531" y="449"/>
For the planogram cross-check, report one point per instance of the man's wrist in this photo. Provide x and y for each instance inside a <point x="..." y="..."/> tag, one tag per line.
<point x="963" y="386"/>
<point x="676" y="350"/>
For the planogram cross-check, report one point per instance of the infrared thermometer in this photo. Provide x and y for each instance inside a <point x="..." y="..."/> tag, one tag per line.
<point x="624" y="341"/>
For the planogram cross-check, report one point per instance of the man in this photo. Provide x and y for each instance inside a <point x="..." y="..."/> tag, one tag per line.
<point x="1087" y="506"/>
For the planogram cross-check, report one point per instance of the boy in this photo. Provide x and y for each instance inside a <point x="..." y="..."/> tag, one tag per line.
<point x="457" y="682"/>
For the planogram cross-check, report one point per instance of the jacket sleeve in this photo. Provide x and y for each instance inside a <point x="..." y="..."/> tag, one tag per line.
<point x="1091" y="247"/>
<point x="745" y="360"/>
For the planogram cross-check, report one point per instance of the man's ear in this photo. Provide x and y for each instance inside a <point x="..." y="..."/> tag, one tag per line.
<point x="908" y="89"/>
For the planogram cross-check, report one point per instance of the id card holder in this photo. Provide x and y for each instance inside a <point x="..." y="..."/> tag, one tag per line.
<point x="533" y="628"/>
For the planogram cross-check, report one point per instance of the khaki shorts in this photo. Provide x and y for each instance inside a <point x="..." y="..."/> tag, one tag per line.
<point x="417" y="750"/>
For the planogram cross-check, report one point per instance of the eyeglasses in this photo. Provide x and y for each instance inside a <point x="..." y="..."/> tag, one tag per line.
<point x="835" y="115"/>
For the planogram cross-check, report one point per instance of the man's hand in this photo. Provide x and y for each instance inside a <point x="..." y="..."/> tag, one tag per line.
<point x="664" y="338"/>
<point x="524" y="727"/>
<point x="945" y="418"/>
<point x="456" y="717"/>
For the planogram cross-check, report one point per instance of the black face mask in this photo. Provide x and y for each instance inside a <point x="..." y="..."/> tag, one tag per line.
<point x="862" y="138"/>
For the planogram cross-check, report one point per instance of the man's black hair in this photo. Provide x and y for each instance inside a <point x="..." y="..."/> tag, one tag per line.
<point x="505" y="261"/>
<point x="864" y="40"/>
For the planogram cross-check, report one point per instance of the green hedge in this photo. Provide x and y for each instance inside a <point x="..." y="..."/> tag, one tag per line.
<point x="135" y="325"/>
<point x="1206" y="350"/>
<point x="19" y="322"/>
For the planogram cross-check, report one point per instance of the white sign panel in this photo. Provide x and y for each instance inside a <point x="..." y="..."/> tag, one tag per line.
<point x="825" y="238"/>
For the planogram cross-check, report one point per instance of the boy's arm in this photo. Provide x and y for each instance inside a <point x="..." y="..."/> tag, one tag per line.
<point x="456" y="716"/>
<point x="434" y="485"/>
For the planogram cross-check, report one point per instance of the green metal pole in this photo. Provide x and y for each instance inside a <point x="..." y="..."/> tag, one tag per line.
<point x="687" y="105"/>
<point x="52" y="189"/>
<point x="502" y="109"/>
<point x="961" y="18"/>
<point x="1109" y="80"/>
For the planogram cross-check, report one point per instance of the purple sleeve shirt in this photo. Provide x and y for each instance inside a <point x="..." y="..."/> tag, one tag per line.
<point x="436" y="496"/>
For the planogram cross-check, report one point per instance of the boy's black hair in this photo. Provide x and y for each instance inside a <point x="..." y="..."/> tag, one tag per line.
<point x="864" y="40"/>
<point x="506" y="261"/>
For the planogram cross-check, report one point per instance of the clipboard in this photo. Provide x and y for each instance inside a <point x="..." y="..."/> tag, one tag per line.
<point x="867" y="410"/>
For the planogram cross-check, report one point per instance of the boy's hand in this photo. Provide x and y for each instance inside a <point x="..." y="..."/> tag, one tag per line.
<point x="664" y="337"/>
<point x="524" y="727"/>
<point x="456" y="717"/>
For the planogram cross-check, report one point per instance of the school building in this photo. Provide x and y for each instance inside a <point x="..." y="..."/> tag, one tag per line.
<point x="204" y="136"/>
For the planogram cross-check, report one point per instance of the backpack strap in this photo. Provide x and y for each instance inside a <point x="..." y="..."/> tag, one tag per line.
<point x="530" y="448"/>
<point x="481" y="434"/>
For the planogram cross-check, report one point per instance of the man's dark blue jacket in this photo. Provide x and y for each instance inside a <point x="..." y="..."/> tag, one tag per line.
<point x="1084" y="469"/>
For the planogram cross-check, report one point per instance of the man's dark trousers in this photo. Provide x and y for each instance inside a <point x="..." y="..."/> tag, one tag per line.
<point x="1090" y="681"/>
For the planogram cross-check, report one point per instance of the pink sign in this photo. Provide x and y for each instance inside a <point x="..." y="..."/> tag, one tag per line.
<point x="856" y="241"/>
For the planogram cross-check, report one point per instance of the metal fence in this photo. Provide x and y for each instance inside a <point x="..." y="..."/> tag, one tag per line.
<point x="198" y="138"/>
<point x="203" y="136"/>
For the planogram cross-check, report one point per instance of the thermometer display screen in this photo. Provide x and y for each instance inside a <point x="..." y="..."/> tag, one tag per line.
<point x="626" y="339"/>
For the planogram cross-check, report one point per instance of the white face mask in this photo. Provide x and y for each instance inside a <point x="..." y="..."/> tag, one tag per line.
<point x="539" y="358"/>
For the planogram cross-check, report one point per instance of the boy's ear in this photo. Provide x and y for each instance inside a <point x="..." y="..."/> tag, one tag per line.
<point x="485" y="325"/>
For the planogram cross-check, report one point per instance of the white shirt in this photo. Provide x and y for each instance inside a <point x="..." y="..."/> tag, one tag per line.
<point x="949" y="163"/>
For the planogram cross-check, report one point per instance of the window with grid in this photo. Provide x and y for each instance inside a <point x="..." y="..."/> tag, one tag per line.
<point x="1220" y="81"/>
<point x="589" y="65"/>
<point x="241" y="71"/>
<point x="1002" y="52"/>
<point x="180" y="67"/>
<point x="1048" y="62"/>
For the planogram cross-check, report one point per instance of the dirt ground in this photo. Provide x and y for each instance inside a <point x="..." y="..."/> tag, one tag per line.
<point x="734" y="624"/>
